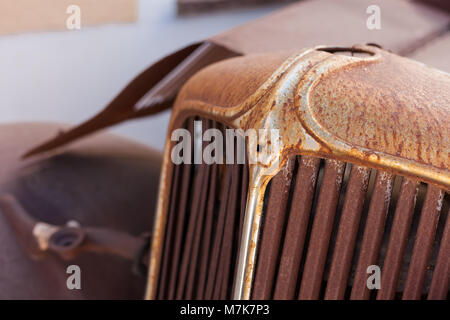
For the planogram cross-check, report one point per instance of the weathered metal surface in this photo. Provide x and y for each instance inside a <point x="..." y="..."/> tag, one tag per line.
<point x="195" y="213"/>
<point x="271" y="237"/>
<point x="312" y="99"/>
<point x="339" y="106"/>
<point x="441" y="274"/>
<point x="207" y="235"/>
<point x="181" y="203"/>
<point x="391" y="104"/>
<point x="347" y="233"/>
<point x="194" y="256"/>
<point x="293" y="246"/>
<point x="168" y="236"/>
<point x="321" y="230"/>
<point x="222" y="282"/>
<point x="398" y="239"/>
<point x="423" y="244"/>
<point x="218" y="235"/>
<point x="373" y="233"/>
<point x="306" y="23"/>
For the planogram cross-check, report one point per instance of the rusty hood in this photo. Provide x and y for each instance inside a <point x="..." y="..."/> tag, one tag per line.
<point x="377" y="109"/>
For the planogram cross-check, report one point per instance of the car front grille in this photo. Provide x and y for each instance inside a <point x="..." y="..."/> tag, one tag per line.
<point x="327" y="221"/>
<point x="324" y="223"/>
<point x="202" y="234"/>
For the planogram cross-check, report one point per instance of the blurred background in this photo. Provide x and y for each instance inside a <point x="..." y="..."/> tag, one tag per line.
<point x="50" y="73"/>
<point x="69" y="75"/>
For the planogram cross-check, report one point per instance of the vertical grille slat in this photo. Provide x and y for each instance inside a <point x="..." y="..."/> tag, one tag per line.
<point x="193" y="233"/>
<point x="347" y="233"/>
<point x="441" y="275"/>
<point x="271" y="236"/>
<point x="217" y="244"/>
<point x="207" y="234"/>
<point x="423" y="244"/>
<point x="178" y="234"/>
<point x="321" y="232"/>
<point x="235" y="216"/>
<point x="225" y="253"/>
<point x="197" y="233"/>
<point x="398" y="238"/>
<point x="179" y="227"/>
<point x="373" y="233"/>
<point x="192" y="222"/>
<point x="302" y="200"/>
